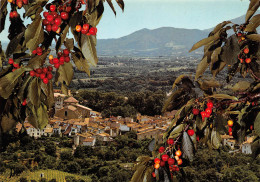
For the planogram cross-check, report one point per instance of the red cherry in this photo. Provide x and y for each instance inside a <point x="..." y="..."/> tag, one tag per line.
<point x="203" y="114"/>
<point x="66" y="52"/>
<point x="230" y="133"/>
<point x="208" y="111"/>
<point x="68" y="9"/>
<point x="248" y="60"/>
<point x="55" y="60"/>
<point x="38" y="70"/>
<point x="51" y="61"/>
<point x="50" y="17"/>
<point x="57" y="65"/>
<point x="83" y="31"/>
<point x="52" y="7"/>
<point x="48" y="28"/>
<point x="45" y="22"/>
<point x="171" y="161"/>
<point x="239" y="34"/>
<point x="16" y="65"/>
<point x="165" y="157"/>
<point x="45" y="14"/>
<point x="190" y="132"/>
<point x="15" y="14"/>
<point x="229" y="129"/>
<point x="153" y="174"/>
<point x="64" y="15"/>
<point x="54" y="14"/>
<point x="67" y="59"/>
<point x="62" y="59"/>
<point x="24" y="102"/>
<point x="246" y="50"/>
<point x="197" y="138"/>
<point x="32" y="73"/>
<point x="11" y="15"/>
<point x="195" y="111"/>
<point x="45" y="70"/>
<point x="49" y="76"/>
<point x="11" y="61"/>
<point x="78" y="28"/>
<point x="157" y="161"/>
<point x="251" y="127"/>
<point x="54" y="27"/>
<point x="85" y="27"/>
<point x="162" y="163"/>
<point x="210" y="105"/>
<point x="170" y="141"/>
<point x="92" y="31"/>
<point x="161" y="149"/>
<point x="25" y="2"/>
<point x="19" y="3"/>
<point x="37" y="75"/>
<point x="50" y="68"/>
<point x="45" y="80"/>
<point x="42" y="76"/>
<point x="58" y="21"/>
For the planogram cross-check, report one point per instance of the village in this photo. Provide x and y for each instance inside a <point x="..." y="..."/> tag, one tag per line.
<point x="86" y="126"/>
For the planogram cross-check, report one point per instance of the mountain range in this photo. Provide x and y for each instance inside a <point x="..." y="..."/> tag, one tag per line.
<point x="165" y="41"/>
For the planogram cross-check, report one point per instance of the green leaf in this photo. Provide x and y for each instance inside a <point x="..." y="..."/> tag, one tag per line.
<point x="241" y="86"/>
<point x="2" y="56"/>
<point x="201" y="68"/>
<point x="255" y="147"/>
<point x="65" y="73"/>
<point x="219" y="27"/>
<point x="80" y="62"/>
<point x="88" y="48"/>
<point x="48" y="92"/>
<point x="177" y="131"/>
<point x="9" y="81"/>
<point x="62" y="38"/>
<point x="7" y="122"/>
<point x="223" y="96"/>
<point x="253" y="6"/>
<point x="230" y="50"/>
<point x="215" y="139"/>
<point x="178" y="81"/>
<point x="121" y="4"/>
<point x="13" y="44"/>
<point x="42" y="116"/>
<point x="69" y="43"/>
<point x="34" y="34"/>
<point x="257" y="124"/>
<point x="187" y="147"/>
<point x="34" y="92"/>
<point x="253" y="24"/>
<point x="111" y="6"/>
<point x="254" y="37"/>
<point x="37" y="61"/>
<point x="3" y="13"/>
<point x="24" y="88"/>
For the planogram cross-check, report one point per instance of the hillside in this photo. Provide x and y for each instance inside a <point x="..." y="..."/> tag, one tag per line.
<point x="165" y="41"/>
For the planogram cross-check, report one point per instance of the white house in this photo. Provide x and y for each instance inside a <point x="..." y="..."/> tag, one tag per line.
<point x="246" y="146"/>
<point x="89" y="142"/>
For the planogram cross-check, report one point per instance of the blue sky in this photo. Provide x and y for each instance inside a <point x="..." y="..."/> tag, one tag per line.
<point x="191" y="14"/>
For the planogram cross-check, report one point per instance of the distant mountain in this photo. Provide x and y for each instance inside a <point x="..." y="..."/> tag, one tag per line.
<point x="164" y="41"/>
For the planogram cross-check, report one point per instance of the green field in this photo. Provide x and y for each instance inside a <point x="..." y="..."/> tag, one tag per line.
<point x="48" y="174"/>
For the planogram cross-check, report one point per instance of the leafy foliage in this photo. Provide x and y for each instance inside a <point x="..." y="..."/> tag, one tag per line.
<point x="204" y="119"/>
<point x="22" y="95"/>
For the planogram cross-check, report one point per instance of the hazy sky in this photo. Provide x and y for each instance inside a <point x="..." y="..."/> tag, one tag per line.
<point x="192" y="14"/>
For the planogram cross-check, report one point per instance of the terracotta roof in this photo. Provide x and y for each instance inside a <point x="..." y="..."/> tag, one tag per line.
<point x="48" y="130"/>
<point x="59" y="95"/>
<point x="249" y="140"/>
<point x="72" y="108"/>
<point x="149" y="131"/>
<point x="89" y="140"/>
<point x="103" y="134"/>
<point x="82" y="107"/>
<point x="68" y="130"/>
<point x="71" y="100"/>
<point x="226" y="136"/>
<point x="18" y="127"/>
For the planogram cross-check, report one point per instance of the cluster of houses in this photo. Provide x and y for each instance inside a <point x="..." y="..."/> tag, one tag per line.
<point x="86" y="126"/>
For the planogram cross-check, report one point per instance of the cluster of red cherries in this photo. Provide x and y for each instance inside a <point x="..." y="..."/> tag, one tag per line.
<point x="62" y="57"/>
<point x="167" y="156"/>
<point x="37" y="51"/>
<point x="19" y="3"/>
<point x="15" y="65"/>
<point x="54" y="17"/>
<point x="44" y="73"/>
<point x="206" y="113"/>
<point x="86" y="29"/>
